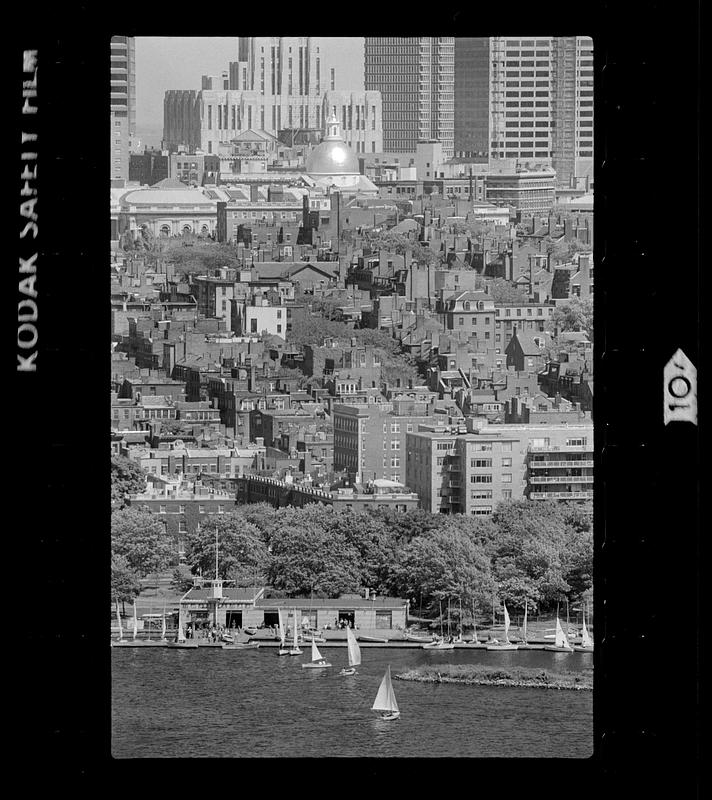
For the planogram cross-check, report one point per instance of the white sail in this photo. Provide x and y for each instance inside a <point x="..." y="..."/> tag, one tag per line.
<point x="316" y="655"/>
<point x="118" y="619"/>
<point x="560" y="640"/>
<point x="163" y="623"/>
<point x="181" y="633"/>
<point x="295" y="634"/>
<point x="506" y="623"/>
<point x="354" y="651"/>
<point x="135" y="621"/>
<point x="586" y="640"/>
<point x="385" y="699"/>
<point x="282" y="634"/>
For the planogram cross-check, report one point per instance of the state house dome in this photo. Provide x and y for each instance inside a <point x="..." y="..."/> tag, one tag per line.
<point x="333" y="156"/>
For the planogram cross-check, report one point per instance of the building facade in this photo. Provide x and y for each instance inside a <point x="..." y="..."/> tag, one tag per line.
<point x="472" y="87"/>
<point x="123" y="104"/>
<point x="279" y="84"/>
<point x="469" y="471"/>
<point x="416" y="78"/>
<point x="541" y="102"/>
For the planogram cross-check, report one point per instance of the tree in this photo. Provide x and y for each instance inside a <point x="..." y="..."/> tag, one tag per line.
<point x="142" y="540"/>
<point x="182" y="579"/>
<point x="445" y="563"/>
<point x="574" y="315"/>
<point x="126" y="478"/>
<point x="242" y="550"/>
<point x="309" y="555"/>
<point x="502" y="291"/>
<point x="125" y="584"/>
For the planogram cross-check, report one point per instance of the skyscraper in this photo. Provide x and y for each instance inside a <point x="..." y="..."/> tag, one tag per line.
<point x="541" y="102"/>
<point x="415" y="75"/>
<point x="472" y="87"/>
<point x="123" y="103"/>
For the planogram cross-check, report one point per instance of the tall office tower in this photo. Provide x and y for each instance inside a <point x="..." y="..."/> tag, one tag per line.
<point x="416" y="78"/>
<point x="123" y="104"/>
<point x="472" y="89"/>
<point x="541" y="102"/>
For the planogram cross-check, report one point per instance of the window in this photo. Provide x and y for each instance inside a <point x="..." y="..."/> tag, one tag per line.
<point x="482" y="478"/>
<point x="161" y="509"/>
<point x="506" y="494"/>
<point x="201" y="509"/>
<point x="506" y="462"/>
<point x="481" y="494"/>
<point x="480" y="462"/>
<point x="181" y="509"/>
<point x="576" y="442"/>
<point x="482" y="511"/>
<point x="182" y="526"/>
<point x="506" y="477"/>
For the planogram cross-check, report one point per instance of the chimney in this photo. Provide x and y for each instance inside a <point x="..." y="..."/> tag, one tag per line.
<point x="254" y="195"/>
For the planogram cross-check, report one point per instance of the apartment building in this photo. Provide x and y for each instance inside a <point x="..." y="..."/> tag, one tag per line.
<point x="469" y="469"/>
<point x="123" y="104"/>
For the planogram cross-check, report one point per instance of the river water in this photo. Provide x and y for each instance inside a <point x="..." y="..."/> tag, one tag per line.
<point x="225" y="703"/>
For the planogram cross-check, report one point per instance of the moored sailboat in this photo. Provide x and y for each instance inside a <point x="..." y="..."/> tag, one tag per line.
<point x="294" y="650"/>
<point x="440" y="644"/>
<point x="561" y="642"/>
<point x="283" y="649"/>
<point x="506" y="644"/>
<point x="586" y="645"/>
<point x="354" y="653"/>
<point x="317" y="660"/>
<point x="385" y="701"/>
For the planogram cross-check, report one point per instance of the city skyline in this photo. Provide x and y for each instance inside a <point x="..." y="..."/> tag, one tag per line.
<point x="165" y="62"/>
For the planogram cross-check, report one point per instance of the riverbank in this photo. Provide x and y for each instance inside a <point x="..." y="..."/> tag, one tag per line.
<point x="487" y="676"/>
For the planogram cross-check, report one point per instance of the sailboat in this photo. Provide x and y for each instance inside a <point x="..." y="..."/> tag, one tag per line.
<point x="317" y="659"/>
<point x="118" y="619"/>
<point x="354" y="653"/>
<point x="295" y="651"/>
<point x="163" y="625"/>
<point x="134" y="624"/>
<point x="283" y="650"/>
<point x="506" y="644"/>
<point x="561" y="642"/>
<point x="524" y="627"/>
<point x="385" y="701"/>
<point x="586" y="645"/>
<point x="440" y="644"/>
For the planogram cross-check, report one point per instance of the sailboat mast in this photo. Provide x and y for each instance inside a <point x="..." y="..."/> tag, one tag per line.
<point x="525" y="619"/>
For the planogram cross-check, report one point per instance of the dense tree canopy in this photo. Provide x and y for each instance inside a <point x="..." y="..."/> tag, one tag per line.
<point x="126" y="478"/>
<point x="242" y="550"/>
<point x="141" y="539"/>
<point x="574" y="315"/>
<point x="502" y="291"/>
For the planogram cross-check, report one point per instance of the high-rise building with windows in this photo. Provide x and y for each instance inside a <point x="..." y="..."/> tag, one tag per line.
<point x="416" y="76"/>
<point x="472" y="88"/>
<point x="123" y="104"/>
<point x="541" y="102"/>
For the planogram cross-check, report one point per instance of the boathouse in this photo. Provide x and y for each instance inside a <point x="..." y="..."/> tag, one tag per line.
<point x="246" y="607"/>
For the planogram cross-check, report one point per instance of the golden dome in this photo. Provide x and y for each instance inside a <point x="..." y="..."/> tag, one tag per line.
<point x="333" y="156"/>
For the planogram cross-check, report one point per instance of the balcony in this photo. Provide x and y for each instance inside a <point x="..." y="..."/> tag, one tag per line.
<point x="573" y="448"/>
<point x="561" y="479"/>
<point x="545" y="464"/>
<point x="561" y="496"/>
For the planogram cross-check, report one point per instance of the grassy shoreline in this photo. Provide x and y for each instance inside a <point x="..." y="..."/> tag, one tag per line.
<point x="492" y="676"/>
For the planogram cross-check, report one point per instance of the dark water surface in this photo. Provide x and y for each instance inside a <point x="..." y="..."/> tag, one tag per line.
<point x="212" y="702"/>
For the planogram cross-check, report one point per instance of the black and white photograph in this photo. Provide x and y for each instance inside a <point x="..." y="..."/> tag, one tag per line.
<point x="361" y="515"/>
<point x="352" y="332"/>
